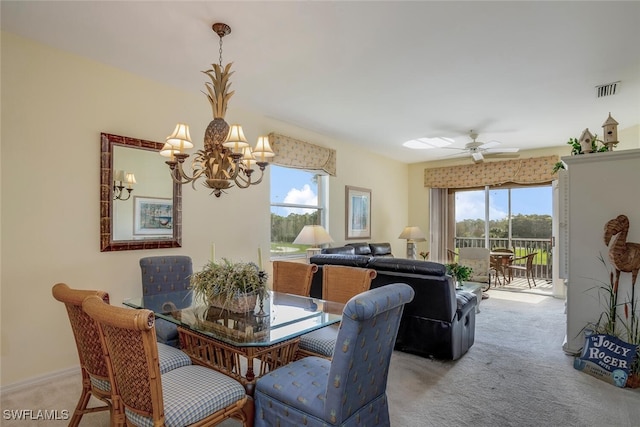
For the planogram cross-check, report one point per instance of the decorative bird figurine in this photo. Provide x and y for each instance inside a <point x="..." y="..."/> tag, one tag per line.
<point x="625" y="256"/>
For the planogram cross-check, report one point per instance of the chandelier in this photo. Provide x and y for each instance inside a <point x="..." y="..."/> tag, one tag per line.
<point x="227" y="158"/>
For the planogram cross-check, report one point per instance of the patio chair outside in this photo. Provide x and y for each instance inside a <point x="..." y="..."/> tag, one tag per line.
<point x="527" y="267"/>
<point x="480" y="262"/>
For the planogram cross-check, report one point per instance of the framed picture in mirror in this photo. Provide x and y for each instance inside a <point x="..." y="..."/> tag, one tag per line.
<point x="152" y="216"/>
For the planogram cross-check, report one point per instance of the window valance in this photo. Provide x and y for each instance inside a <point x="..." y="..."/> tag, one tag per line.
<point x="293" y="153"/>
<point x="535" y="170"/>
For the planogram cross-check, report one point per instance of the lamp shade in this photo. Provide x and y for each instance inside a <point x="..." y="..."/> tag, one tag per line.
<point x="235" y="138"/>
<point x="412" y="233"/>
<point x="263" y="149"/>
<point x="313" y="235"/>
<point x="180" y="138"/>
<point x="168" y="150"/>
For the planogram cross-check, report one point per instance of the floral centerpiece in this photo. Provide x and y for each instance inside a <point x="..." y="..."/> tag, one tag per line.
<point x="460" y="273"/>
<point x="234" y="286"/>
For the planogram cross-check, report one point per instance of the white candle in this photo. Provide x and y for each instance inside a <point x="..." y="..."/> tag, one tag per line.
<point x="259" y="257"/>
<point x="213" y="252"/>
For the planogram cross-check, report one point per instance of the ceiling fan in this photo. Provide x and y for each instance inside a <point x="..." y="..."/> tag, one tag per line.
<point x="479" y="150"/>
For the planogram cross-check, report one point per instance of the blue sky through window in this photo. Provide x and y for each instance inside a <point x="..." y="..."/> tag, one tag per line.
<point x="292" y="186"/>
<point x="526" y="201"/>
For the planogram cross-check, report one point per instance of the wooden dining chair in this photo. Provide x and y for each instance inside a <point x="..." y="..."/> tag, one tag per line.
<point x="93" y="366"/>
<point x="339" y="284"/>
<point x="527" y="267"/>
<point x="185" y="396"/>
<point x="293" y="277"/>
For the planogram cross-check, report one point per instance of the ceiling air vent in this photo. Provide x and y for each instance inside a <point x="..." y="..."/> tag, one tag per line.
<point x="607" y="89"/>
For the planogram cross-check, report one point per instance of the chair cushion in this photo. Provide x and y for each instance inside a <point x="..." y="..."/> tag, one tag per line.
<point x="300" y="385"/>
<point x="321" y="341"/>
<point x="344" y="250"/>
<point x="166" y="332"/>
<point x="380" y="249"/>
<point x="171" y="358"/>
<point x="191" y="393"/>
<point x="337" y="259"/>
<point x="401" y="265"/>
<point x="360" y="248"/>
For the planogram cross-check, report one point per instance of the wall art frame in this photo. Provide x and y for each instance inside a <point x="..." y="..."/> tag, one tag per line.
<point x="358" y="213"/>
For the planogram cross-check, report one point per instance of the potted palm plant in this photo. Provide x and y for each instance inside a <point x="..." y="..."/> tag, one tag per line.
<point x="234" y="286"/>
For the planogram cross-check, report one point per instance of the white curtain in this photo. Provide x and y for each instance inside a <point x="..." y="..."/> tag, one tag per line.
<point x="438" y="224"/>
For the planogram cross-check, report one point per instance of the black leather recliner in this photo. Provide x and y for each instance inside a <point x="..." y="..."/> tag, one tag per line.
<point x="439" y="322"/>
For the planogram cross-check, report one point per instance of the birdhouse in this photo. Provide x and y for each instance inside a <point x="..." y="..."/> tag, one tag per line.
<point x="610" y="127"/>
<point x="585" y="141"/>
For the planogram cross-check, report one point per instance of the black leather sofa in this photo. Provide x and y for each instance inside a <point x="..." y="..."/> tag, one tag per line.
<point x="369" y="249"/>
<point x="439" y="322"/>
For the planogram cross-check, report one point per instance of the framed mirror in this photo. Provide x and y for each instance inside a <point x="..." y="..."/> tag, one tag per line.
<point x="140" y="205"/>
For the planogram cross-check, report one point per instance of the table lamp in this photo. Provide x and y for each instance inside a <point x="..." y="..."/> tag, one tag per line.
<point x="413" y="234"/>
<point x="314" y="235"/>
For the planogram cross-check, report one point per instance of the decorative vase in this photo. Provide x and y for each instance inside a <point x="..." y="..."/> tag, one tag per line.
<point x="241" y="303"/>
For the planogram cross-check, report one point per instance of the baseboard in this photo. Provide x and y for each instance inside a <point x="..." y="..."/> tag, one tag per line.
<point x="31" y="382"/>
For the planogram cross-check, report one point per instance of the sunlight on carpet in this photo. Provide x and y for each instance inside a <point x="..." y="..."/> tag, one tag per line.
<point x="520" y="297"/>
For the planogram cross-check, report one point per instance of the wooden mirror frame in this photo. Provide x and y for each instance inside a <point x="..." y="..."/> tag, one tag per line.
<point x="107" y="244"/>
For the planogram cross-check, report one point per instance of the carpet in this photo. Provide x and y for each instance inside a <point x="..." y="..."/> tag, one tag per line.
<point x="515" y="374"/>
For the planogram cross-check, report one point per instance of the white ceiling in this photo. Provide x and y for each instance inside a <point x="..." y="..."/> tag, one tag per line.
<point x="376" y="73"/>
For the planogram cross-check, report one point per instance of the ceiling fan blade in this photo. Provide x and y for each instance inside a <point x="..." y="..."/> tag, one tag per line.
<point x="501" y="150"/>
<point x="490" y="144"/>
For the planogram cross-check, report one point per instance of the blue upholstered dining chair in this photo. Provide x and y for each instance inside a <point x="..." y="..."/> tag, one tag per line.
<point x="165" y="287"/>
<point x="349" y="390"/>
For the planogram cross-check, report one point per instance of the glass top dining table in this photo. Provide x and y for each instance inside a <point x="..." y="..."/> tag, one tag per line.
<point x="278" y="317"/>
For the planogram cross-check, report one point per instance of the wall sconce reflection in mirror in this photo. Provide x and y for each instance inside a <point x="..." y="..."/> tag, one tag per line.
<point x="122" y="179"/>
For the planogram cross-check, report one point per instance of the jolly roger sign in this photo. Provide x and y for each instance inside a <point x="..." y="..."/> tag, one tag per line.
<point x="606" y="357"/>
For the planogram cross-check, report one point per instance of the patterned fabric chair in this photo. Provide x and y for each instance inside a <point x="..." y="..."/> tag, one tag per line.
<point x="339" y="284"/>
<point x="165" y="286"/>
<point x="350" y="390"/>
<point x="293" y="277"/>
<point x="95" y="378"/>
<point x="188" y="395"/>
<point x="479" y="259"/>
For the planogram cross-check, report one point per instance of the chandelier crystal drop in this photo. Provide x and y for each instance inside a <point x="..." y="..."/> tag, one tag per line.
<point x="227" y="158"/>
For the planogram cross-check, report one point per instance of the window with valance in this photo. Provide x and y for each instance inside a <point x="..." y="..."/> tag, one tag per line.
<point x="294" y="153"/>
<point x="535" y="170"/>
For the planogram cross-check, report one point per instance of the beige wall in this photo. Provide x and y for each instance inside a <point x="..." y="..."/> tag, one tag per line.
<point x="54" y="106"/>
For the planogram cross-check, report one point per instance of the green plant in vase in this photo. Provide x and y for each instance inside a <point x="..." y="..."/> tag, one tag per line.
<point x="224" y="283"/>
<point x="460" y="273"/>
